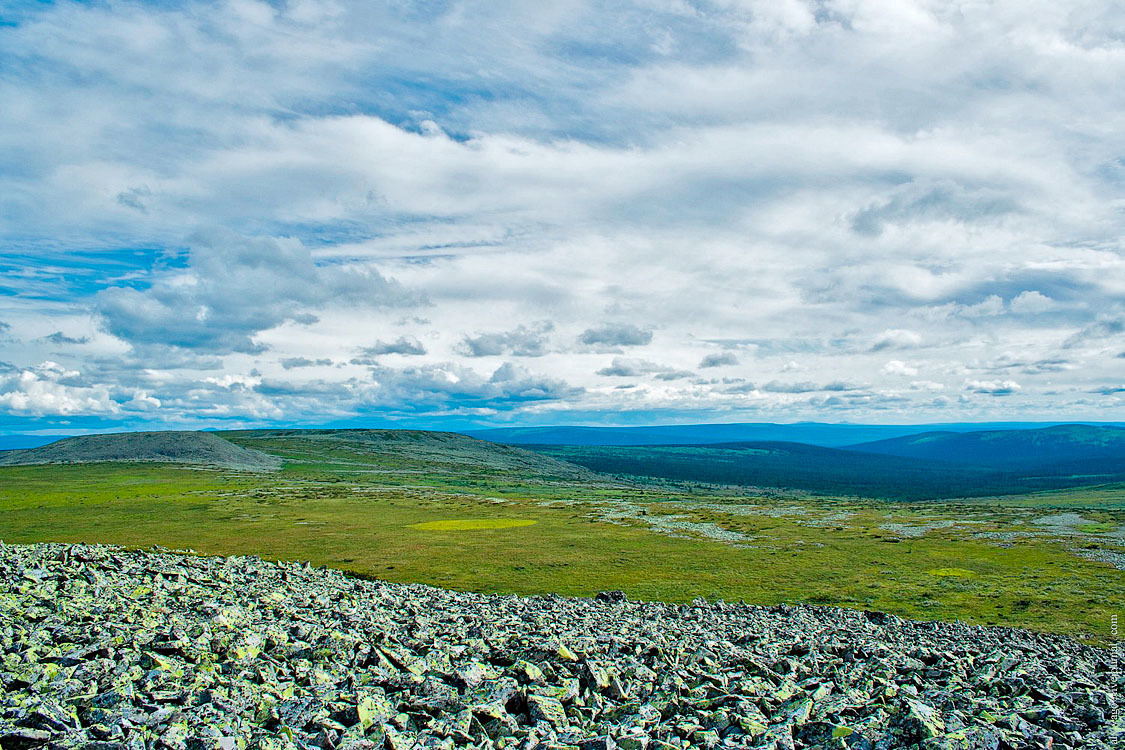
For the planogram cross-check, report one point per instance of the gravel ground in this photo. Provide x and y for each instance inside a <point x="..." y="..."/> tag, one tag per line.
<point x="104" y="648"/>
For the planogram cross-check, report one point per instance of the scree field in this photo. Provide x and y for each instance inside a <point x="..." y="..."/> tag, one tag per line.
<point x="464" y="514"/>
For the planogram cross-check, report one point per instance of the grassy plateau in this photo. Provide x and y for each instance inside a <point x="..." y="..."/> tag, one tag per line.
<point x="460" y="513"/>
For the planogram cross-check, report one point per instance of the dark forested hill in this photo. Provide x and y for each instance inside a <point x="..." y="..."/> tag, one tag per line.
<point x="1002" y="448"/>
<point x="833" y="471"/>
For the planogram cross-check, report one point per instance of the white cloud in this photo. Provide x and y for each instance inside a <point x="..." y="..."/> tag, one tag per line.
<point x="898" y="367"/>
<point x="43" y="391"/>
<point x="896" y="338"/>
<point x="613" y="335"/>
<point x="142" y="401"/>
<point x="623" y="367"/>
<point x="719" y="359"/>
<point x="235" y="287"/>
<point x="522" y="341"/>
<point x="406" y="345"/>
<point x="1031" y="302"/>
<point x="254" y="188"/>
<point x="992" y="387"/>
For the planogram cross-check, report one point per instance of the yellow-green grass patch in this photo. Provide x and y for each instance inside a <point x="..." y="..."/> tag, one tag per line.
<point x="472" y="524"/>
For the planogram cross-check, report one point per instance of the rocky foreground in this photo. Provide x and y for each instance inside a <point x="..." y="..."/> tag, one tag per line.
<point x="106" y="648"/>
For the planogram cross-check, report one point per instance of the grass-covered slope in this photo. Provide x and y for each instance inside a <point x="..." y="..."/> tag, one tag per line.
<point x="168" y="447"/>
<point x="999" y="448"/>
<point x="418" y="450"/>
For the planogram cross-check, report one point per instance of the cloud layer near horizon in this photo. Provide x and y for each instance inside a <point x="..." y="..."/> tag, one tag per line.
<point x="319" y="210"/>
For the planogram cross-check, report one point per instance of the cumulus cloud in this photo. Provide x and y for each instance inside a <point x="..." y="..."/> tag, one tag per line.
<point x="235" y="287"/>
<point x="522" y="341"/>
<point x="1031" y="367"/>
<point x="775" y="386"/>
<point x="450" y="388"/>
<point x="407" y="345"/>
<point x="719" y="359"/>
<point x="58" y="337"/>
<point x="992" y="387"/>
<point x="616" y="335"/>
<point x="896" y="338"/>
<point x="623" y="367"/>
<point x="1031" y="302"/>
<point x="291" y="363"/>
<point x="142" y="401"/>
<point x="667" y="375"/>
<point x="1105" y="327"/>
<point x="941" y="201"/>
<point x="898" y="367"/>
<point x="519" y="383"/>
<point x="44" y="390"/>
<point x="993" y="304"/>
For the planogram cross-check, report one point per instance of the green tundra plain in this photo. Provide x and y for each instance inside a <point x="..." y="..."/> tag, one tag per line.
<point x="465" y="514"/>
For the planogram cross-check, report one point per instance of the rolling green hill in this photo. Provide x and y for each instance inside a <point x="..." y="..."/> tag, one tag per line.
<point x="421" y="451"/>
<point x="166" y="447"/>
<point x="406" y="450"/>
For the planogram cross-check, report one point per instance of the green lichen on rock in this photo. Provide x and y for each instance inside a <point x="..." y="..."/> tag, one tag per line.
<point x="103" y="648"/>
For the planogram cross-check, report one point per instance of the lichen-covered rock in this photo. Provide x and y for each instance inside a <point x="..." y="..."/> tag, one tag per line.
<point x="548" y="709"/>
<point x="919" y="721"/>
<point x="102" y="648"/>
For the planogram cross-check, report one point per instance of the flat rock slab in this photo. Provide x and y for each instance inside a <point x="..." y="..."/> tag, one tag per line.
<point x="105" y="648"/>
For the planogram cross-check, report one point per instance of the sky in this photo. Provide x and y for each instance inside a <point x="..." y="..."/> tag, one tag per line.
<point x="446" y="213"/>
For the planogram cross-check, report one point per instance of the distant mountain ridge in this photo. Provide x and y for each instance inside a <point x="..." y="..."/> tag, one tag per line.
<point x="812" y="433"/>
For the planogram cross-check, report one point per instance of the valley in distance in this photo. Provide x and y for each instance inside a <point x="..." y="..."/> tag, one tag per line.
<point x="739" y="586"/>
